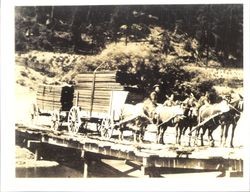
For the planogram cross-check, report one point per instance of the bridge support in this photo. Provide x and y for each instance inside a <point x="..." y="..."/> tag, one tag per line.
<point x="85" y="169"/>
<point x="34" y="144"/>
<point x="148" y="168"/>
<point x="85" y="164"/>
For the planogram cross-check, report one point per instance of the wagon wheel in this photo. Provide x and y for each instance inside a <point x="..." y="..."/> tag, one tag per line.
<point x="74" y="120"/>
<point x="55" y="120"/>
<point x="106" y="128"/>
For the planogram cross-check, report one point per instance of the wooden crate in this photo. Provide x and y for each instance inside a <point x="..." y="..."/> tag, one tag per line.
<point x="94" y="90"/>
<point x="55" y="97"/>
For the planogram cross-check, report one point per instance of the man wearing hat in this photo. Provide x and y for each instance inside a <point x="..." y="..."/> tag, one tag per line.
<point x="150" y="103"/>
<point x="155" y="94"/>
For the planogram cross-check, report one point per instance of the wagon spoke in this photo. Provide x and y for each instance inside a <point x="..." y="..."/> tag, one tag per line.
<point x="106" y="128"/>
<point x="55" y="120"/>
<point x="74" y="121"/>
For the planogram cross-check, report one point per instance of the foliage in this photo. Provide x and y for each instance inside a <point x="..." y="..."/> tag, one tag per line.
<point x="147" y="44"/>
<point x="218" y="28"/>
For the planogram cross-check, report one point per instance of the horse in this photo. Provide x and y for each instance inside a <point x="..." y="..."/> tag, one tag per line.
<point x="231" y="118"/>
<point x="209" y="118"/>
<point x="167" y="117"/>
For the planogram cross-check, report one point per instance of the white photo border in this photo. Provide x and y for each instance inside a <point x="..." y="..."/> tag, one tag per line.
<point x="8" y="180"/>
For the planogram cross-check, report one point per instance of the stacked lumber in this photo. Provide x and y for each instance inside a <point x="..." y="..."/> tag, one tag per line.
<point x="94" y="91"/>
<point x="55" y="97"/>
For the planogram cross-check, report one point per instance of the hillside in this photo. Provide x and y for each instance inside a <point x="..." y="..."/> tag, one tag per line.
<point x="36" y="67"/>
<point x="184" y="48"/>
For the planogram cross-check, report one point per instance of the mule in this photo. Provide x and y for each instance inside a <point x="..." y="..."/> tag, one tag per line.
<point x="167" y="117"/>
<point x="209" y="118"/>
<point x="189" y="120"/>
<point x="231" y="118"/>
<point x="190" y="117"/>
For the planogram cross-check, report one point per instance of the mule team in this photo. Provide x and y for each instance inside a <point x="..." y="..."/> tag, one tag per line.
<point x="197" y="115"/>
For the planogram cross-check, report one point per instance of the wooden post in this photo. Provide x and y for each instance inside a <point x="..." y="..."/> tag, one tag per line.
<point x="144" y="165"/>
<point x="85" y="169"/>
<point x="77" y="98"/>
<point x="92" y="94"/>
<point x="82" y="154"/>
<point x="85" y="164"/>
<point x="36" y="154"/>
<point x="228" y="172"/>
<point x="148" y="168"/>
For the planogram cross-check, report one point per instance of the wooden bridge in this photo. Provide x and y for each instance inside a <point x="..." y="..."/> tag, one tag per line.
<point x="151" y="159"/>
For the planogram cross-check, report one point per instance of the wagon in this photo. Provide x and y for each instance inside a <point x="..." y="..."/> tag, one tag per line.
<point x="95" y="98"/>
<point x="54" y="101"/>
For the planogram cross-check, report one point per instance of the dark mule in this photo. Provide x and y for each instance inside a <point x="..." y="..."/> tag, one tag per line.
<point x="231" y="118"/>
<point x="209" y="118"/>
<point x="190" y="117"/>
<point x="189" y="120"/>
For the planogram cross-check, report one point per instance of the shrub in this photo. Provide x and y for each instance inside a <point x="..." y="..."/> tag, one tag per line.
<point x="24" y="74"/>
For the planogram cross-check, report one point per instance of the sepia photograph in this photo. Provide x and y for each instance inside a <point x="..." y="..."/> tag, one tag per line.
<point x="128" y="91"/>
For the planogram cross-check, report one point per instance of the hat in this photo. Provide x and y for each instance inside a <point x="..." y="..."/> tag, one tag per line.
<point x="156" y="85"/>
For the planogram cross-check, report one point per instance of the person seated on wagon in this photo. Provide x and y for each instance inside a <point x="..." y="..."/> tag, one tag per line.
<point x="150" y="104"/>
<point x="155" y="92"/>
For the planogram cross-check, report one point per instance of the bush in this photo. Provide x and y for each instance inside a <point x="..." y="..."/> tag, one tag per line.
<point x="24" y="74"/>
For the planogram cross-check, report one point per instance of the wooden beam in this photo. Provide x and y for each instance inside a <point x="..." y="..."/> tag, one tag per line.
<point x="85" y="168"/>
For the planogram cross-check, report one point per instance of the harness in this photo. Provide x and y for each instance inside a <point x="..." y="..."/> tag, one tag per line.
<point x="205" y="121"/>
<point x="235" y="108"/>
<point x="219" y="121"/>
<point x="170" y="119"/>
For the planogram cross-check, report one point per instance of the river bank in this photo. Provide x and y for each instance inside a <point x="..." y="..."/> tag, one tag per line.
<point x="27" y="159"/>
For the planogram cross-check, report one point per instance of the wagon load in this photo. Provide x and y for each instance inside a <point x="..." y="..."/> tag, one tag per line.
<point x="55" y="97"/>
<point x="94" y="90"/>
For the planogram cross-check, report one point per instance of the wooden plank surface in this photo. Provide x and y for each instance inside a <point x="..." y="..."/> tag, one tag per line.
<point x="150" y="155"/>
<point x="107" y="85"/>
<point x="49" y="98"/>
<point x="97" y="79"/>
<point x="97" y="92"/>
